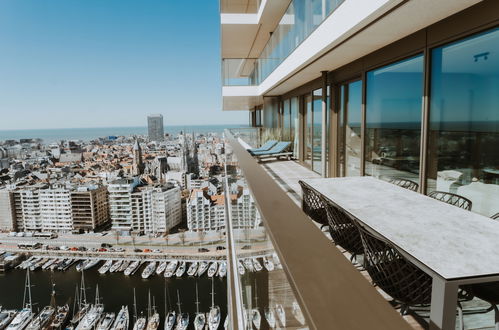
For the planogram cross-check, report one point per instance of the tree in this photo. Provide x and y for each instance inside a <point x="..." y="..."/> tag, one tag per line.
<point x="166" y="236"/>
<point x="201" y="236"/>
<point x="182" y="236"/>
<point x="117" y="236"/>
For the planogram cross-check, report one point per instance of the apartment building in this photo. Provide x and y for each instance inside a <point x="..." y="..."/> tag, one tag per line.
<point x="144" y="209"/>
<point x="7" y="219"/>
<point x="55" y="209"/>
<point x="356" y="96"/>
<point x="206" y="211"/>
<point x="155" y="127"/>
<point x="27" y="208"/>
<point x="89" y="206"/>
<point x="120" y="203"/>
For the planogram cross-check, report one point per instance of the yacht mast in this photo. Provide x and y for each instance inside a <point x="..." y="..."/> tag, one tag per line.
<point x="134" y="307"/>
<point x="197" y="299"/>
<point x="212" y="293"/>
<point x="178" y="304"/>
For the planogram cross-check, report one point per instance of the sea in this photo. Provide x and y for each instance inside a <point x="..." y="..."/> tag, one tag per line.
<point x="87" y="134"/>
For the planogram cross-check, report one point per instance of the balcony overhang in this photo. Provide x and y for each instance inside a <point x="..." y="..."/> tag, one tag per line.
<point x="246" y="34"/>
<point x="240" y="98"/>
<point x="352" y="31"/>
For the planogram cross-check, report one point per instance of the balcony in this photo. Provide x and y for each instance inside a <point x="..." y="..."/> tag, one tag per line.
<point x="313" y="282"/>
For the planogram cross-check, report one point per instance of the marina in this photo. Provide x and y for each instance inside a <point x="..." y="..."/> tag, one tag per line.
<point x="105" y="302"/>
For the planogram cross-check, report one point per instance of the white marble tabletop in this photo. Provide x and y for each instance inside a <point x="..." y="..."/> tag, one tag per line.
<point x="451" y="242"/>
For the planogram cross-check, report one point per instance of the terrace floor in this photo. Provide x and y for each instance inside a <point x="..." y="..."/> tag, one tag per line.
<point x="288" y="173"/>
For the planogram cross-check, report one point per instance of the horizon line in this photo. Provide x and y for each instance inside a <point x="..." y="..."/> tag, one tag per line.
<point x="53" y="128"/>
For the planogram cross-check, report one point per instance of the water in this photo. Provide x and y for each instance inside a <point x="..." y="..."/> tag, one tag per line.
<point x="87" y="134"/>
<point x="116" y="290"/>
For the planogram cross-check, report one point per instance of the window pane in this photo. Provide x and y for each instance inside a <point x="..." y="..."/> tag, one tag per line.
<point x="308" y="129"/>
<point x="353" y="129"/>
<point x="464" y="121"/>
<point x="286" y="121"/>
<point x="393" y="120"/>
<point x="294" y="124"/>
<point x="317" y="131"/>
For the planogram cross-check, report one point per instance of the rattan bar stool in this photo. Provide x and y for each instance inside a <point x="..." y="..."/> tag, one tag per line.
<point x="343" y="231"/>
<point x="452" y="199"/>
<point x="312" y="204"/>
<point x="405" y="183"/>
<point x="393" y="273"/>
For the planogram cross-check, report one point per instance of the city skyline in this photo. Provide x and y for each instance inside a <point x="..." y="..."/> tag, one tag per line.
<point x="109" y="64"/>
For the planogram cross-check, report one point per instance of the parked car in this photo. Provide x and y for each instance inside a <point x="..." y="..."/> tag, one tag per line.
<point x="157" y="251"/>
<point x="220" y="248"/>
<point x="137" y="250"/>
<point x="106" y="245"/>
<point x="119" y="249"/>
<point x="203" y="250"/>
<point x="74" y="248"/>
<point x="246" y="247"/>
<point x="102" y="250"/>
<point x="147" y="250"/>
<point x="82" y="248"/>
<point x="64" y="248"/>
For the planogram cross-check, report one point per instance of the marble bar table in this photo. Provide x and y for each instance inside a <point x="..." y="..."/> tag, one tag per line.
<point x="452" y="245"/>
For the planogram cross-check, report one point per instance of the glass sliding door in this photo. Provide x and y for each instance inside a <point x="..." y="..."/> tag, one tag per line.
<point x="463" y="155"/>
<point x="350" y="139"/>
<point x="308" y="129"/>
<point x="286" y="121"/>
<point x="294" y="110"/>
<point x="317" y="131"/>
<point x="393" y="120"/>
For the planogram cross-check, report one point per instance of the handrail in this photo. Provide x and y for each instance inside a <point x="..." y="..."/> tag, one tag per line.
<point x="329" y="289"/>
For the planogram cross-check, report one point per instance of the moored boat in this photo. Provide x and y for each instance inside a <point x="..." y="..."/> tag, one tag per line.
<point x="124" y="265"/>
<point x="257" y="265"/>
<point x="132" y="268"/>
<point x="181" y="269"/>
<point x="297" y="313"/>
<point x="153" y="322"/>
<point x="203" y="266"/>
<point x="270" y="316"/>
<point x="6" y="316"/>
<point x="192" y="268"/>
<point x="170" y="320"/>
<point x="114" y="268"/>
<point x="91" y="263"/>
<point x="106" y="322"/>
<point x="41" y="319"/>
<point x="105" y="268"/>
<point x="214" y="314"/>
<point x="213" y="269"/>
<point x="248" y="263"/>
<point x="256" y="318"/>
<point x="82" y="264"/>
<point x="170" y="269"/>
<point x="240" y="268"/>
<point x="121" y="322"/>
<point x="268" y="264"/>
<point x="21" y="319"/>
<point x="200" y="318"/>
<point x="89" y="321"/>
<point x="151" y="267"/>
<point x="281" y="314"/>
<point x="222" y="269"/>
<point x="161" y="268"/>
<point x="60" y="318"/>
<point x="140" y="324"/>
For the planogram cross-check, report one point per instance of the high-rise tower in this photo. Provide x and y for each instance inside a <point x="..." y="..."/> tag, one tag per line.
<point x="155" y="127"/>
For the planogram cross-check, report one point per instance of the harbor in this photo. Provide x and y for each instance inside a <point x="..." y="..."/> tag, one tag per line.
<point x="98" y="298"/>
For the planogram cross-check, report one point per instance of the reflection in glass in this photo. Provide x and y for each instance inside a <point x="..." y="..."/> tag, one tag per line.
<point x="351" y="113"/>
<point x="317" y="131"/>
<point x="294" y="124"/>
<point x="393" y="120"/>
<point x="308" y="128"/>
<point x="286" y="121"/>
<point x="464" y="121"/>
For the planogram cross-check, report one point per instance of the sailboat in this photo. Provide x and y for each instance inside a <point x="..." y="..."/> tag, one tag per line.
<point x="281" y="314"/>
<point x="222" y="270"/>
<point x="170" y="316"/>
<point x="181" y="269"/>
<point x="257" y="265"/>
<point x="270" y="317"/>
<point x="182" y="318"/>
<point x="151" y="267"/>
<point x="269" y="265"/>
<point x="139" y="323"/>
<point x="256" y="317"/>
<point x="91" y="318"/>
<point x="200" y="319"/>
<point x="240" y="268"/>
<point x="42" y="319"/>
<point x="153" y="323"/>
<point x="161" y="268"/>
<point x="193" y="268"/>
<point x="203" y="266"/>
<point x="121" y="322"/>
<point x="106" y="322"/>
<point x="170" y="269"/>
<point x="213" y="269"/>
<point x="297" y="313"/>
<point x="26" y="314"/>
<point x="105" y="268"/>
<point x="83" y="306"/>
<point x="60" y="316"/>
<point x="6" y="316"/>
<point x="214" y="315"/>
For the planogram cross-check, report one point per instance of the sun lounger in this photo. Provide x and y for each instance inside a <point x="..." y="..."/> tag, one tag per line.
<point x="277" y="151"/>
<point x="265" y="147"/>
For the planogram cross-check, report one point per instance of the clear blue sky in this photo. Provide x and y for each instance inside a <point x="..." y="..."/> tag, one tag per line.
<point x="98" y="63"/>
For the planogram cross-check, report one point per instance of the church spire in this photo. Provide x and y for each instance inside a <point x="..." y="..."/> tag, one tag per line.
<point x="137" y="165"/>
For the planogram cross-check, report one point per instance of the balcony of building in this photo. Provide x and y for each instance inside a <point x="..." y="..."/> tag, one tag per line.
<point x="317" y="284"/>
